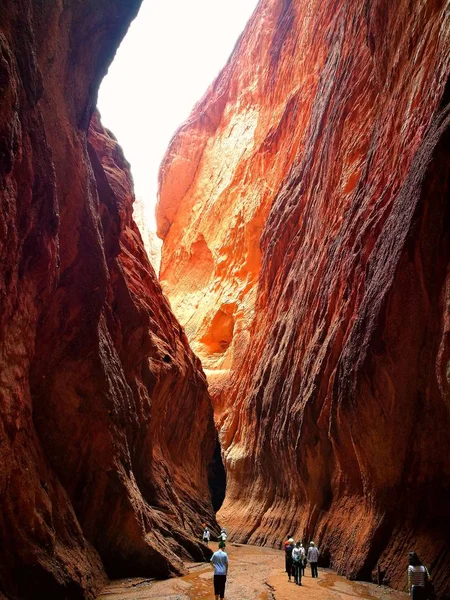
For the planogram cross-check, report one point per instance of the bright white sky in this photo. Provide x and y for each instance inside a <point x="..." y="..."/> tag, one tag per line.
<point x="172" y="52"/>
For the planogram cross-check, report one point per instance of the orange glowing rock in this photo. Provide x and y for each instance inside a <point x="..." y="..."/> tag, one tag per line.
<point x="305" y="224"/>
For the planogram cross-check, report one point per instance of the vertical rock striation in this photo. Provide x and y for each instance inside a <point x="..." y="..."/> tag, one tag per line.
<point x="105" y="422"/>
<point x="305" y="216"/>
<point x="152" y="242"/>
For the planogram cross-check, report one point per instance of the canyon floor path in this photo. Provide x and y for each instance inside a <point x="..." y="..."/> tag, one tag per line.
<point x="255" y="573"/>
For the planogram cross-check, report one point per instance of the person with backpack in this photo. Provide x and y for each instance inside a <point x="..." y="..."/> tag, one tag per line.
<point x="223" y="536"/>
<point x="313" y="558"/>
<point x="419" y="581"/>
<point x="288" y="556"/>
<point x="219" y="560"/>
<point x="297" y="563"/>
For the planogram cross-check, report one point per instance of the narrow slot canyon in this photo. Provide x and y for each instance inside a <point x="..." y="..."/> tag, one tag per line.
<point x="281" y="365"/>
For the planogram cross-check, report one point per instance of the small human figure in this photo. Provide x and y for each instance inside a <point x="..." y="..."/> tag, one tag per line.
<point x="303" y="564"/>
<point x="206" y="536"/>
<point x="222" y="536"/>
<point x="313" y="558"/>
<point x="417" y="577"/>
<point x="219" y="560"/>
<point x="288" y="557"/>
<point x="297" y="563"/>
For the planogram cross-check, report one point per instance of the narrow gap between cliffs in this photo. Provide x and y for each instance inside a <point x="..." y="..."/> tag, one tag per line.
<point x="217" y="478"/>
<point x="183" y="55"/>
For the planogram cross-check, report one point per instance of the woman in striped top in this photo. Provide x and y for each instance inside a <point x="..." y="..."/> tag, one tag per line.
<point x="417" y="577"/>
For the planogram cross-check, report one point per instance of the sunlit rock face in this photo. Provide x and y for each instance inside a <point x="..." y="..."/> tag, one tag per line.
<point x="152" y="243"/>
<point x="105" y="424"/>
<point x="304" y="211"/>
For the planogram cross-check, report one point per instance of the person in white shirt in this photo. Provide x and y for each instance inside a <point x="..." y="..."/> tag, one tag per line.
<point x="417" y="577"/>
<point x="313" y="558"/>
<point x="223" y="536"/>
<point x="298" y="555"/>
<point x="219" y="561"/>
<point x="206" y="536"/>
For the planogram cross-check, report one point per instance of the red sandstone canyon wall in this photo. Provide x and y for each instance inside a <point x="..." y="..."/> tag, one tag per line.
<point x="106" y="426"/>
<point x="304" y="208"/>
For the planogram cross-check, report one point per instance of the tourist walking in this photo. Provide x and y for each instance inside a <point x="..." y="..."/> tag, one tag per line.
<point x="219" y="561"/>
<point x="313" y="558"/>
<point x="297" y="563"/>
<point x="206" y="536"/>
<point x="303" y="566"/>
<point x="418" y="578"/>
<point x="288" y="556"/>
<point x="223" y="536"/>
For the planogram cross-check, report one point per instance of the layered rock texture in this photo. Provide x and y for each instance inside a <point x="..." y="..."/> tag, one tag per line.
<point x="106" y="427"/>
<point x="304" y="208"/>
<point x="152" y="243"/>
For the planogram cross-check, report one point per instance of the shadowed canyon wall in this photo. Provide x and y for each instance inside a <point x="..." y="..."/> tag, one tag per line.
<point x="106" y="426"/>
<point x="304" y="208"/>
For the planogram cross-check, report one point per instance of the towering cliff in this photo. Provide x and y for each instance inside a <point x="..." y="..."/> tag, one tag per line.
<point x="106" y="427"/>
<point x="305" y="216"/>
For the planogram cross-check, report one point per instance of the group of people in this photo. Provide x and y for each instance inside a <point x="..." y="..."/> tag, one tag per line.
<point x="206" y="536"/>
<point x="419" y="581"/>
<point x="219" y="561"/>
<point x="296" y="558"/>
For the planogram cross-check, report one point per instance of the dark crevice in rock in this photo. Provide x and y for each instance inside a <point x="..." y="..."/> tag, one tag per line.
<point x="217" y="478"/>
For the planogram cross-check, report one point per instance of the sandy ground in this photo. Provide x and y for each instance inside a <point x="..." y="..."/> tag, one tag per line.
<point x="254" y="572"/>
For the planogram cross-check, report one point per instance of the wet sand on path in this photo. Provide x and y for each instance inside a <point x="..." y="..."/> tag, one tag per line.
<point x="254" y="573"/>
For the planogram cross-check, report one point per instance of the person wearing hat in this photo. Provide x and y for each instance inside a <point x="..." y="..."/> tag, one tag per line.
<point x="313" y="558"/>
<point x="288" y="556"/>
<point x="223" y="535"/>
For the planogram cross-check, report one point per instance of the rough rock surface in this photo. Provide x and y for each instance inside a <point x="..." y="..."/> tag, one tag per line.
<point x="152" y="242"/>
<point x="305" y="216"/>
<point x="105" y="423"/>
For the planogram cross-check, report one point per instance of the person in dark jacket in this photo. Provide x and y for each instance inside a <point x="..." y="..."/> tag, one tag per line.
<point x="288" y="552"/>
